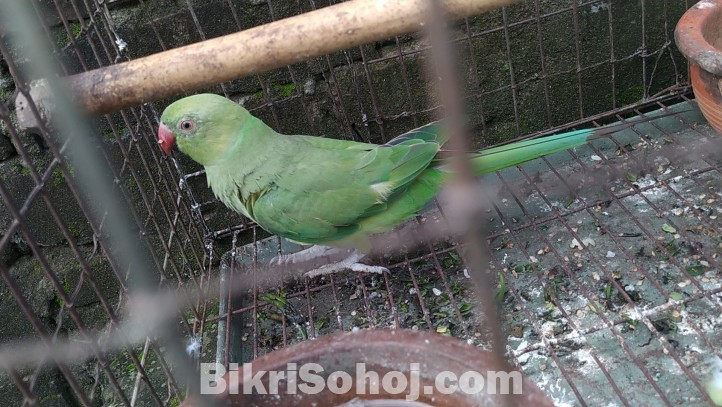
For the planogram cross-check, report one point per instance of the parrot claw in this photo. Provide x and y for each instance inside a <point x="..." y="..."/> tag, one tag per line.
<point x="336" y="267"/>
<point x="351" y="263"/>
<point x="305" y="255"/>
<point x="340" y="259"/>
<point x="365" y="268"/>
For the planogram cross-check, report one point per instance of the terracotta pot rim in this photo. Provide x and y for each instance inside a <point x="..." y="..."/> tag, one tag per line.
<point x="690" y="38"/>
<point x="454" y="349"/>
<point x="384" y="349"/>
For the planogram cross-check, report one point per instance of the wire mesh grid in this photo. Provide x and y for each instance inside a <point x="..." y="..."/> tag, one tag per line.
<point x="572" y="313"/>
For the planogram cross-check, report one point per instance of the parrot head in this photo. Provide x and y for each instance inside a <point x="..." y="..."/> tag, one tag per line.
<point x="203" y="127"/>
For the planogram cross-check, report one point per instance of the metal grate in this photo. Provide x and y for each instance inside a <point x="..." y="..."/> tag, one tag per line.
<point x="629" y="315"/>
<point x="614" y="269"/>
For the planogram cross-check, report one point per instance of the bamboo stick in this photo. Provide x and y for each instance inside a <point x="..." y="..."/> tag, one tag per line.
<point x="258" y="49"/>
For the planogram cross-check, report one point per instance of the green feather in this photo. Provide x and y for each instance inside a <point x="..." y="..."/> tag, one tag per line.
<point x="509" y="155"/>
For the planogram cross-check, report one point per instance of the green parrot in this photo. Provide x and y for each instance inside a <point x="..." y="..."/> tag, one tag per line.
<point x="330" y="193"/>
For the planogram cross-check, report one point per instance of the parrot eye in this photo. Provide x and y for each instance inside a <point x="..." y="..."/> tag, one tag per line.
<point x="186" y="125"/>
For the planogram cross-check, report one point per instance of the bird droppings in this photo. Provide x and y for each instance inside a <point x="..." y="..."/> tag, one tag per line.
<point x="585" y="242"/>
<point x="573" y="287"/>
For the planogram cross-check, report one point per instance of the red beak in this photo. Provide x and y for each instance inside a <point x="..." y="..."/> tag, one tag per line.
<point x="166" y="140"/>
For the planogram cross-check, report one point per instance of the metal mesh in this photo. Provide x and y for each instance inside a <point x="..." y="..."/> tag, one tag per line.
<point x="606" y="257"/>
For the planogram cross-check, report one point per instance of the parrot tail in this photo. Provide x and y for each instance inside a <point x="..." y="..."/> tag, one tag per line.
<point x="497" y="158"/>
<point x="508" y="155"/>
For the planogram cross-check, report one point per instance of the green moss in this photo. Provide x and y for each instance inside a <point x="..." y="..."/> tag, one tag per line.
<point x="24" y="171"/>
<point x="530" y="124"/>
<point x="631" y="95"/>
<point x="75" y="229"/>
<point x="451" y="260"/>
<point x="51" y="397"/>
<point x="5" y="95"/>
<point x="57" y="177"/>
<point x="284" y="90"/>
<point x="64" y="39"/>
<point x="67" y="288"/>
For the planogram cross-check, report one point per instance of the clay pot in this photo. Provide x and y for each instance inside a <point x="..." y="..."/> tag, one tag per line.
<point x="383" y="351"/>
<point x="699" y="38"/>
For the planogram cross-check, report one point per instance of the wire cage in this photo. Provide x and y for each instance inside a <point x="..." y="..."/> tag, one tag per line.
<point x="605" y="257"/>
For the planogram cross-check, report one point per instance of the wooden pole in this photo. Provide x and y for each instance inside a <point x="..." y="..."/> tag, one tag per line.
<point x="258" y="49"/>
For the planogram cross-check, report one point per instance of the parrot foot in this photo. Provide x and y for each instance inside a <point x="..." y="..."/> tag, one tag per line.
<point x="305" y="255"/>
<point x="351" y="262"/>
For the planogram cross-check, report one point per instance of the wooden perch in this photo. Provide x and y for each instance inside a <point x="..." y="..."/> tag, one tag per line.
<point x="258" y="49"/>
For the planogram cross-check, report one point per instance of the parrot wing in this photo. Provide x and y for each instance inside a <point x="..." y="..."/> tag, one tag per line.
<point x="432" y="132"/>
<point x="327" y="193"/>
